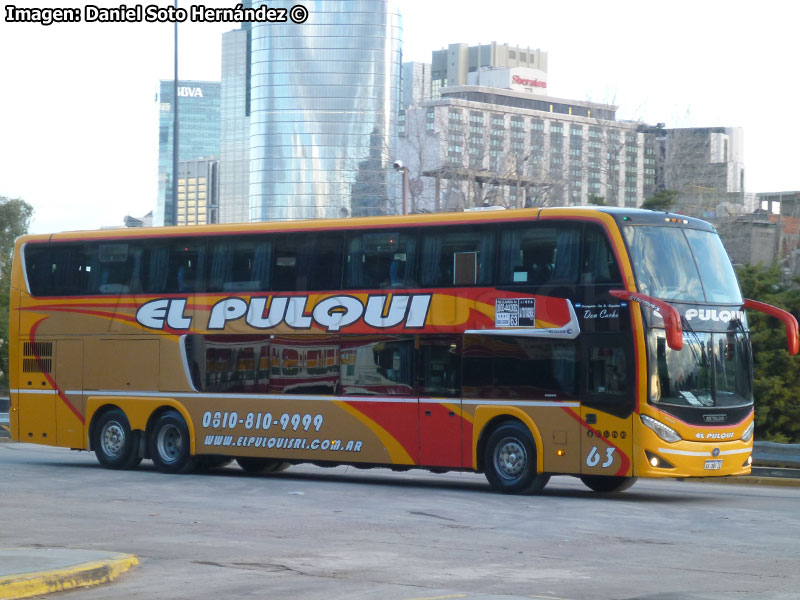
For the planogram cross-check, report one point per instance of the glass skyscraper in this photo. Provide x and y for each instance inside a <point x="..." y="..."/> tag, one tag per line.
<point x="324" y="100"/>
<point x="198" y="134"/>
<point x="235" y="127"/>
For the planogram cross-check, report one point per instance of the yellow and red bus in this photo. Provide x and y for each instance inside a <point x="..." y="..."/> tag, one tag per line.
<point x="607" y="344"/>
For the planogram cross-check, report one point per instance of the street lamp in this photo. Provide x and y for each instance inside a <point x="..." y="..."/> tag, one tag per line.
<point x="400" y="167"/>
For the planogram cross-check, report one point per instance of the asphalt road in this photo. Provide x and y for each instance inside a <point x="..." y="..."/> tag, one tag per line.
<point x="312" y="533"/>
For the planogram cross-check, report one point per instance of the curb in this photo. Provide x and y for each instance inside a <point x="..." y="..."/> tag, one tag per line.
<point x="37" y="583"/>
<point x="745" y="480"/>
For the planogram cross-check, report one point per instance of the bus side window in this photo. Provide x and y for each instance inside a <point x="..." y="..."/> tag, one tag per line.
<point x="325" y="260"/>
<point x="540" y="254"/>
<point x="239" y="264"/>
<point x="119" y="268"/>
<point x="307" y="262"/>
<point x="458" y="258"/>
<point x="73" y="268"/>
<point x="599" y="262"/>
<point x="39" y="268"/>
<point x="175" y="268"/>
<point x="376" y="367"/>
<point x="380" y="260"/>
<point x="441" y="367"/>
<point x="518" y="367"/>
<point x="607" y="370"/>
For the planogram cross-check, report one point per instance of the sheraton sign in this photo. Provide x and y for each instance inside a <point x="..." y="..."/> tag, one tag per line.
<point x="528" y="82"/>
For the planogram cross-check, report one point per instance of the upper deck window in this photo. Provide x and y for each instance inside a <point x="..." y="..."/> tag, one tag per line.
<point x="83" y="269"/>
<point x="457" y="257"/>
<point x="307" y="262"/>
<point x="380" y="260"/>
<point x="239" y="264"/>
<point x="556" y="254"/>
<point x="174" y="267"/>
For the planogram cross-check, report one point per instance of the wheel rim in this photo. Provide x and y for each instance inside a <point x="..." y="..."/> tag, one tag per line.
<point x="112" y="439"/>
<point x="169" y="443"/>
<point x="510" y="458"/>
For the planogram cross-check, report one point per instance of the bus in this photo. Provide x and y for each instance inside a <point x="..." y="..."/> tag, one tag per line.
<point x="603" y="343"/>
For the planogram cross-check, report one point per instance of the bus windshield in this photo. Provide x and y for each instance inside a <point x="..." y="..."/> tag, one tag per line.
<point x="712" y="369"/>
<point x="684" y="265"/>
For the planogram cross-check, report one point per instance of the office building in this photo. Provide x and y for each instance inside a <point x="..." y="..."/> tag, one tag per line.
<point x="704" y="164"/>
<point x="416" y="86"/>
<point x="478" y="146"/>
<point x="234" y="173"/>
<point x="452" y="66"/>
<point x="324" y="98"/>
<point x="198" y="192"/>
<point x="198" y="134"/>
<point x="784" y="203"/>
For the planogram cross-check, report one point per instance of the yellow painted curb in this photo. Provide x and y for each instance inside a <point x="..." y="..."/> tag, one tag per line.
<point x="25" y="585"/>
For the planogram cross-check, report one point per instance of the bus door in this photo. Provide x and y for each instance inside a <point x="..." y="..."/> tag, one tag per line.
<point x="438" y="385"/>
<point x="607" y="409"/>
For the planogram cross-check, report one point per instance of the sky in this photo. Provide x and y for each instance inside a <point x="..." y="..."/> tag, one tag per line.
<point x="79" y="124"/>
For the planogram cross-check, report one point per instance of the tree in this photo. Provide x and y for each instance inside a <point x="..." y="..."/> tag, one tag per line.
<point x="661" y="200"/>
<point x="776" y="374"/>
<point x="15" y="216"/>
<point x="595" y="200"/>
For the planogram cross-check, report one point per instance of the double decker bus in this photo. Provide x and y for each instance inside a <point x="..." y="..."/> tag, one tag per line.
<point x="607" y="344"/>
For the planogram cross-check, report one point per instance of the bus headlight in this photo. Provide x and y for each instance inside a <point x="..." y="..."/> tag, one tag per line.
<point x="748" y="433"/>
<point x="665" y="433"/>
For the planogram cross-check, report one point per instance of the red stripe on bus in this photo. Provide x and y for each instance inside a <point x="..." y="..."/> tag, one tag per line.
<point x="50" y="380"/>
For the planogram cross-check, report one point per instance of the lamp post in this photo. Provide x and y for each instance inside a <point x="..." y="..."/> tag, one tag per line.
<point x="400" y="167"/>
<point x="175" y="145"/>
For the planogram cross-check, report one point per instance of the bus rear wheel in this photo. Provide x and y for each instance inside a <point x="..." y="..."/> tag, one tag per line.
<point x="607" y="484"/>
<point x="510" y="460"/>
<point x="169" y="444"/>
<point x="114" y="444"/>
<point x="261" y="466"/>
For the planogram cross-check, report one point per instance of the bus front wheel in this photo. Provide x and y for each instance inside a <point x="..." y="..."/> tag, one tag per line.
<point x="607" y="483"/>
<point x="510" y="460"/>
<point x="114" y="444"/>
<point x="168" y="444"/>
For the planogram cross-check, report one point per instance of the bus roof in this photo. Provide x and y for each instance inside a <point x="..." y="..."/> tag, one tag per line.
<point x="621" y="215"/>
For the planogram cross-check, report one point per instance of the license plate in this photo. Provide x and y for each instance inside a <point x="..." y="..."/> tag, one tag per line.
<point x="713" y="465"/>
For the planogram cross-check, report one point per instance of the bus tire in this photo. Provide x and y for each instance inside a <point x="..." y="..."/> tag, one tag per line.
<point x="510" y="460"/>
<point x="169" y="444"/>
<point x="114" y="444"/>
<point x="262" y="466"/>
<point x="207" y="463"/>
<point x="607" y="483"/>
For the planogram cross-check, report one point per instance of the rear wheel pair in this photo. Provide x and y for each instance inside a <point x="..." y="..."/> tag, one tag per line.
<point x="118" y="447"/>
<point x="168" y="445"/>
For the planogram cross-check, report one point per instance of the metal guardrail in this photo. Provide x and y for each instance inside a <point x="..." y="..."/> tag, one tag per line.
<point x="4" y="406"/>
<point x="770" y="454"/>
